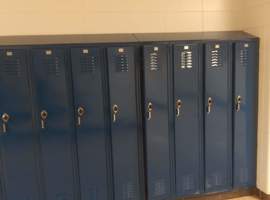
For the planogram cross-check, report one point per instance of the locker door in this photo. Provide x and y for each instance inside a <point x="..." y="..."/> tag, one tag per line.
<point x="89" y="91"/>
<point x="245" y="113"/>
<point x="218" y="117"/>
<point x="156" y="122"/>
<point x="188" y="119"/>
<point x="18" y="162"/>
<point x="124" y="122"/>
<point x="54" y="123"/>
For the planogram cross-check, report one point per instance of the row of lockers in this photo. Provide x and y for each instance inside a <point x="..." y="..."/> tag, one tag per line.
<point x="128" y="122"/>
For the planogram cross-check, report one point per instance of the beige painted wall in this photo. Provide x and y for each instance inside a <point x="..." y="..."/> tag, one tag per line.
<point x="19" y="17"/>
<point x="257" y="13"/>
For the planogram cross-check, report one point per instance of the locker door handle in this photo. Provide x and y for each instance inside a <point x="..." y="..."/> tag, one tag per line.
<point x="5" y="118"/>
<point x="149" y="111"/>
<point x="238" y="103"/>
<point x="80" y="114"/>
<point x="209" y="105"/>
<point x="43" y="118"/>
<point x="115" y="111"/>
<point x="178" y="107"/>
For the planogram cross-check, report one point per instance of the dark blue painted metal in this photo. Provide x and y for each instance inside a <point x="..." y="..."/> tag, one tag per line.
<point x="245" y="118"/>
<point x="92" y="134"/>
<point x="188" y="98"/>
<point x="124" y="129"/>
<point x="19" y="175"/>
<point x="218" y="129"/>
<point x="158" y="158"/>
<point x="51" y="89"/>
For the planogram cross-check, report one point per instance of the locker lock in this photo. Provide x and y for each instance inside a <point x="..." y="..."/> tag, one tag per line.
<point x="238" y="103"/>
<point x="178" y="107"/>
<point x="149" y="110"/>
<point x="210" y="104"/>
<point x="80" y="113"/>
<point x="115" y="111"/>
<point x="5" y="118"/>
<point x="43" y="117"/>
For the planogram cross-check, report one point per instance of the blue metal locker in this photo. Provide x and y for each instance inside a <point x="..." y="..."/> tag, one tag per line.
<point x="218" y="116"/>
<point x="19" y="173"/>
<point x="92" y="133"/>
<point x="245" y="113"/>
<point x="188" y="121"/>
<point x="54" y="121"/>
<point x="157" y="135"/>
<point x="124" y="122"/>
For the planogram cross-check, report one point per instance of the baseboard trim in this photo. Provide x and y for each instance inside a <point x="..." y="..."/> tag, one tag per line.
<point x="227" y="195"/>
<point x="262" y="195"/>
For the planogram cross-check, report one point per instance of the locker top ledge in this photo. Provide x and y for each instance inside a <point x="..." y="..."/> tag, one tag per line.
<point x="123" y="38"/>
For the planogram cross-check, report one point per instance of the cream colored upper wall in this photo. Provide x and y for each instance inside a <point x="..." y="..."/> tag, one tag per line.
<point x="19" y="17"/>
<point x="257" y="15"/>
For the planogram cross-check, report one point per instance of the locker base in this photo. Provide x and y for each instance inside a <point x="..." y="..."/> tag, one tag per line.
<point x="226" y="195"/>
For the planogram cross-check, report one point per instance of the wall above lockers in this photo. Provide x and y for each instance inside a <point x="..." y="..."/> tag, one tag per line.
<point x="106" y="16"/>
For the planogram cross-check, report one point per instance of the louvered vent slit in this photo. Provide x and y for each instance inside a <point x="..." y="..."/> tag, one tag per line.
<point x="188" y="182"/>
<point x="160" y="187"/>
<point x="122" y="63"/>
<point x="215" y="58"/>
<point x="186" y="59"/>
<point x="53" y="65"/>
<point x="154" y="61"/>
<point x="129" y="191"/>
<point x="88" y="64"/>
<point x="11" y="67"/>
<point x="244" y="57"/>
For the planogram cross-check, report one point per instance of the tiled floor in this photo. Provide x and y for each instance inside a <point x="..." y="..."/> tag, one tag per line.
<point x="246" y="198"/>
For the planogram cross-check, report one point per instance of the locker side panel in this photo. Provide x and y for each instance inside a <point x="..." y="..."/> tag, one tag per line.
<point x="19" y="174"/>
<point x="188" y="119"/>
<point x="245" y="113"/>
<point x="156" y="122"/>
<point x="218" y="117"/>
<point x="88" y="75"/>
<point x="50" y="78"/>
<point x="124" y="124"/>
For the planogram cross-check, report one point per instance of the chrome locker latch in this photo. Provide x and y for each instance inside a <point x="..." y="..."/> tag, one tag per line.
<point x="115" y="111"/>
<point x="5" y="118"/>
<point x="238" y="103"/>
<point x="178" y="107"/>
<point x="43" y="118"/>
<point x="80" y="114"/>
<point x="149" y="111"/>
<point x="209" y="105"/>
